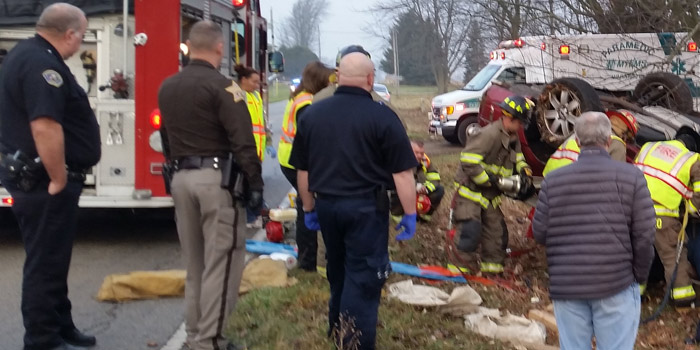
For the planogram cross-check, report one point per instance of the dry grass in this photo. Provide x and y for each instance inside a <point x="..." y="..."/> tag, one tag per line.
<point x="296" y="317"/>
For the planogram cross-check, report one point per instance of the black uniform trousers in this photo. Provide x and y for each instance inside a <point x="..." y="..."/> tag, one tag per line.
<point x="356" y="234"/>
<point x="48" y="225"/>
<point x="306" y="239"/>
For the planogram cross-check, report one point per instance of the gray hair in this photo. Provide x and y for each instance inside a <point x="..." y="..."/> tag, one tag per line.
<point x="593" y="129"/>
<point x="59" y="18"/>
<point x="205" y="35"/>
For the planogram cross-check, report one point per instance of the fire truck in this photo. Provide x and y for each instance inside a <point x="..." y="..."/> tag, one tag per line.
<point x="128" y="50"/>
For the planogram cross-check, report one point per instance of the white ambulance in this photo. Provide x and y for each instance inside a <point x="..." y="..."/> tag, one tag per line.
<point x="613" y="64"/>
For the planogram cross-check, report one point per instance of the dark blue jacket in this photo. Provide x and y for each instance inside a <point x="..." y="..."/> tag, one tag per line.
<point x="597" y="221"/>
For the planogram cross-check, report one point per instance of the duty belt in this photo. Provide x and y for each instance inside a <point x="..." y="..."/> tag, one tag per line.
<point x="199" y="162"/>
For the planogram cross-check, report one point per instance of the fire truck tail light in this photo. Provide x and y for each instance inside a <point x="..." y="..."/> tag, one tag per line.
<point x="692" y="46"/>
<point x="564" y="49"/>
<point x="238" y="4"/>
<point x="155" y="119"/>
<point x="8" y="201"/>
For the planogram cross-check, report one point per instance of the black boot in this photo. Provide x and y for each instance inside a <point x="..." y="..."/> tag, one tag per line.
<point x="76" y="338"/>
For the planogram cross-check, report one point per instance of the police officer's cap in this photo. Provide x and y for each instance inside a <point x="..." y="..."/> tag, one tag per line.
<point x="689" y="140"/>
<point x="517" y="107"/>
<point x="349" y="49"/>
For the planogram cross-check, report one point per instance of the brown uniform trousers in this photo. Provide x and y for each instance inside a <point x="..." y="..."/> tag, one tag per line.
<point x="211" y="229"/>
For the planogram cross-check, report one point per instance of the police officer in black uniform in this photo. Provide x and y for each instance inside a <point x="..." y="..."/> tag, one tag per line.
<point x="348" y="151"/>
<point x="208" y="136"/>
<point x="48" y="138"/>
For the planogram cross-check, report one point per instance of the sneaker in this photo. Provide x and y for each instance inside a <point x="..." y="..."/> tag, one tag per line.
<point x="255" y="224"/>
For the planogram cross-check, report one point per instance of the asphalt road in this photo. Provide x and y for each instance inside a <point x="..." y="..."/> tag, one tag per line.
<point x="116" y="241"/>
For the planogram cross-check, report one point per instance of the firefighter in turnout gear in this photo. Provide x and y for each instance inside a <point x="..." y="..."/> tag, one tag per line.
<point x="624" y="128"/>
<point x="427" y="183"/>
<point x="672" y="171"/>
<point x="489" y="155"/>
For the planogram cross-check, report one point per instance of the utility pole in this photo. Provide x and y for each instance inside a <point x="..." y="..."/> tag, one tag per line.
<point x="318" y="28"/>
<point x="394" y="42"/>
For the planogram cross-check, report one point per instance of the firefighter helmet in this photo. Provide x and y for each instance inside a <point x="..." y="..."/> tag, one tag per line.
<point x="623" y="123"/>
<point x="274" y="231"/>
<point x="349" y="49"/>
<point x="422" y="204"/>
<point x="517" y="107"/>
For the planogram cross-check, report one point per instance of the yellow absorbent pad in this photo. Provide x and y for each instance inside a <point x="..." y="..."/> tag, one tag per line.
<point x="142" y="285"/>
<point x="138" y="285"/>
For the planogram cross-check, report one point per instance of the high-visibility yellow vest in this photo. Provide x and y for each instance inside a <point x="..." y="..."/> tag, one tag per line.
<point x="255" y="107"/>
<point x="566" y="154"/>
<point x="666" y="167"/>
<point x="289" y="126"/>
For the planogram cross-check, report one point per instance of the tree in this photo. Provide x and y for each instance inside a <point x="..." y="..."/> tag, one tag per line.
<point x="414" y="37"/>
<point x="295" y="59"/>
<point x="447" y="19"/>
<point x="475" y="56"/>
<point x="301" y="27"/>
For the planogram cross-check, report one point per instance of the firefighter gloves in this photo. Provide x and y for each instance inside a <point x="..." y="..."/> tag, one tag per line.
<point x="407" y="227"/>
<point x="271" y="151"/>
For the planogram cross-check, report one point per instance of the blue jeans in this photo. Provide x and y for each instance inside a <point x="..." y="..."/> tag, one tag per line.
<point x="613" y="320"/>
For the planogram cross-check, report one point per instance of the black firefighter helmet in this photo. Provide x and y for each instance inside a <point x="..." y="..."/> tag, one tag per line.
<point x="517" y="107"/>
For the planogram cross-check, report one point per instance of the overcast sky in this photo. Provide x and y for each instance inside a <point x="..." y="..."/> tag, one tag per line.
<point x="346" y="24"/>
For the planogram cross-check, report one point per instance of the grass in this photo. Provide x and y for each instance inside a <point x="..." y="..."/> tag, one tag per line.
<point x="295" y="318"/>
<point x="277" y="92"/>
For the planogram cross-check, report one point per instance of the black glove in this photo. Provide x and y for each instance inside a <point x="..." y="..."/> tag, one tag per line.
<point x="255" y="201"/>
<point x="493" y="180"/>
<point x="527" y="187"/>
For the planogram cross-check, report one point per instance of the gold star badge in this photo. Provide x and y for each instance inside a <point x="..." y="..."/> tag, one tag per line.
<point x="236" y="91"/>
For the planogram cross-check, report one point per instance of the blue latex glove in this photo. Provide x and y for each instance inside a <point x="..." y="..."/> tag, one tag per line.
<point x="407" y="227"/>
<point x="271" y="151"/>
<point x="311" y="221"/>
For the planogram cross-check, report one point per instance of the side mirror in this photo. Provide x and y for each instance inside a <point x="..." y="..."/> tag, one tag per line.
<point x="276" y="62"/>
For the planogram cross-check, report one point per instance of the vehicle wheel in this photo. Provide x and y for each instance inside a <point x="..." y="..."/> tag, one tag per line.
<point x="665" y="90"/>
<point x="454" y="138"/>
<point x="466" y="127"/>
<point x="560" y="103"/>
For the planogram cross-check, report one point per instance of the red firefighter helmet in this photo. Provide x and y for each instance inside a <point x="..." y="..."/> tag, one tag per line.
<point x="422" y="204"/>
<point x="624" y="124"/>
<point x="274" y="231"/>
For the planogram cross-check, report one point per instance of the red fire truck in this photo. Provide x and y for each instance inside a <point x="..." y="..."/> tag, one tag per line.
<point x="128" y="50"/>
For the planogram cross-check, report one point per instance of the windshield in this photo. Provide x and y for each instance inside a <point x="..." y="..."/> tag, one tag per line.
<point x="380" y="88"/>
<point x="482" y="78"/>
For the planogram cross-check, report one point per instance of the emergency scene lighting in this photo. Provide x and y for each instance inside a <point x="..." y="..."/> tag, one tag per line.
<point x="692" y="47"/>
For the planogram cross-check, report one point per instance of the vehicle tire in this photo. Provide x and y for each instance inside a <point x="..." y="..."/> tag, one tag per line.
<point x="665" y="90"/>
<point x="561" y="102"/>
<point x="465" y="127"/>
<point x="454" y="138"/>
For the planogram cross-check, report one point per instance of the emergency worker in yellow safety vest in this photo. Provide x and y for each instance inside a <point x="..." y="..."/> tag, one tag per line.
<point x="314" y="78"/>
<point x="489" y="155"/>
<point x="249" y="81"/>
<point x="624" y="129"/>
<point x="672" y="171"/>
<point x="427" y="183"/>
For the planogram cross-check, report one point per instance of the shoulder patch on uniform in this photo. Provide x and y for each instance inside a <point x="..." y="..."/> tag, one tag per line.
<point x="236" y="91"/>
<point x="52" y="77"/>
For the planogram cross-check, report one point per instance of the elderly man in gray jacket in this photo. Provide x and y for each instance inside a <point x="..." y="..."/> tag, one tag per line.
<point x="596" y="219"/>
